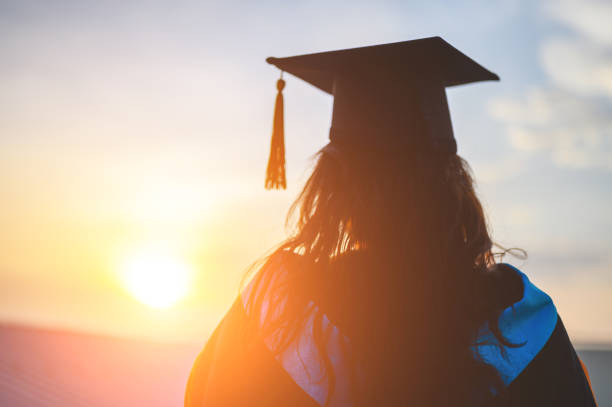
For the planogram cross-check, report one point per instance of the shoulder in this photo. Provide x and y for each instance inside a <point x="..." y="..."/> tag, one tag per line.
<point x="281" y="286"/>
<point x="528" y="323"/>
<point x="236" y="356"/>
<point x="542" y="367"/>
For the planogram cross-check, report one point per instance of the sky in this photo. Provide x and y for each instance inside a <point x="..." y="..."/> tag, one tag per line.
<point x="131" y="127"/>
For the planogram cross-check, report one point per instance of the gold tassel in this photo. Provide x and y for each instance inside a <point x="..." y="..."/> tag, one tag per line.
<point x="275" y="174"/>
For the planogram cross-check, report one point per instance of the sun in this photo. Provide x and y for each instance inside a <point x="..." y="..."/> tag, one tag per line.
<point x="156" y="278"/>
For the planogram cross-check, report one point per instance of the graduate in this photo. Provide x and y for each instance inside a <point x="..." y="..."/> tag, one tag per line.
<point x="388" y="292"/>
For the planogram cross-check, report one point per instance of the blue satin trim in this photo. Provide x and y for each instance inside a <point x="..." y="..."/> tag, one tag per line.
<point x="302" y="360"/>
<point x="531" y="321"/>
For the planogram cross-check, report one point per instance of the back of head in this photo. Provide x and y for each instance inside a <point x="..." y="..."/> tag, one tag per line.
<point x="419" y="235"/>
<point x="394" y="201"/>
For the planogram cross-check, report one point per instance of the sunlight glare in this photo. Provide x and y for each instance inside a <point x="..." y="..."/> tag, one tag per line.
<point x="155" y="278"/>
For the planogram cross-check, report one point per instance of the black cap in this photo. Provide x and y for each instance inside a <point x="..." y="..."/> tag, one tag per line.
<point x="390" y="95"/>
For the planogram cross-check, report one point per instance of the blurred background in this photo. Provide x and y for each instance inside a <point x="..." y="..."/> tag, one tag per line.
<point x="134" y="137"/>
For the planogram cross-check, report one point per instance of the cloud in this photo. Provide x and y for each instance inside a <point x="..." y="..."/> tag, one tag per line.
<point x="590" y="18"/>
<point x="578" y="65"/>
<point x="575" y="130"/>
<point x="499" y="169"/>
<point x="569" y="118"/>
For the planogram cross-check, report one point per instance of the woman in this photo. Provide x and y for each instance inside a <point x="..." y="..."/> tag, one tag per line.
<point x="388" y="293"/>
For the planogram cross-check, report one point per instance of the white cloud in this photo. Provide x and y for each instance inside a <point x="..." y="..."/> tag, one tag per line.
<point x="575" y="130"/>
<point x="578" y="64"/>
<point x="570" y="118"/>
<point x="498" y="169"/>
<point x="590" y="18"/>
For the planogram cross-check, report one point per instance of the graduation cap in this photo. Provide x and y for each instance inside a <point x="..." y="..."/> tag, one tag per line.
<point x="388" y="97"/>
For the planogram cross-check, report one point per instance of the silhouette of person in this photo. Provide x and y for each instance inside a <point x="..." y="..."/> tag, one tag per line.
<point x="388" y="292"/>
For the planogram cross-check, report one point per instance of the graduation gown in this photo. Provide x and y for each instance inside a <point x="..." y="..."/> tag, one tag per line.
<point x="232" y="371"/>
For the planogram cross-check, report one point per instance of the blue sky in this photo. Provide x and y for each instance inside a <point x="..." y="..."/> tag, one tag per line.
<point x="124" y="119"/>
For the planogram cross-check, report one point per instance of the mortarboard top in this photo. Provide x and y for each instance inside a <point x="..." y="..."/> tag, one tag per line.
<point x="386" y="96"/>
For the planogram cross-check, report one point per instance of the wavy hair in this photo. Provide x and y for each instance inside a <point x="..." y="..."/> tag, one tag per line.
<point x="407" y="233"/>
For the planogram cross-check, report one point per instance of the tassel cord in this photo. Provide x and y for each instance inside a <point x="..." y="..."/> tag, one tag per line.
<point x="275" y="173"/>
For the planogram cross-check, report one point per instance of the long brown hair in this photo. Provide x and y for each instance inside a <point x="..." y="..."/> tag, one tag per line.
<point x="418" y="232"/>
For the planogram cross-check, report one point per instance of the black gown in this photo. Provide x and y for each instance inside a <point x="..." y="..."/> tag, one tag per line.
<point x="234" y="371"/>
